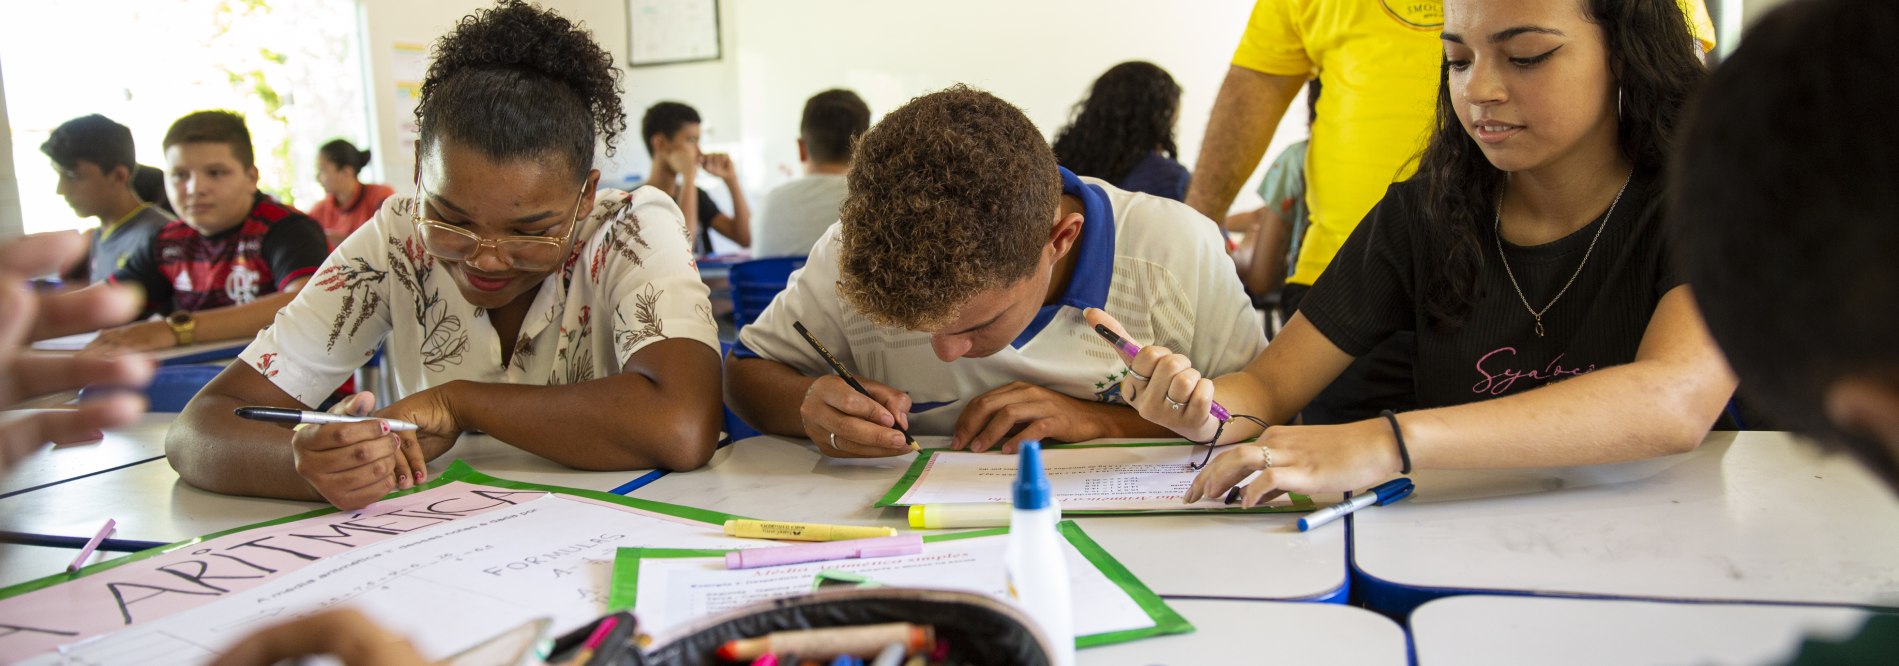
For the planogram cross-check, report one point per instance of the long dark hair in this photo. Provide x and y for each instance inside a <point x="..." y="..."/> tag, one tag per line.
<point x="1652" y="59"/>
<point x="1129" y="111"/>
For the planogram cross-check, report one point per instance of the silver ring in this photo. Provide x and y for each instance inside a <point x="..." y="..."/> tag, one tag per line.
<point x="1269" y="456"/>
<point x="1171" y="403"/>
<point x="1136" y="375"/>
<point x="833" y="441"/>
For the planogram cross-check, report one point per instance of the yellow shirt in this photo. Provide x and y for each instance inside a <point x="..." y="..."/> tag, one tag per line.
<point x="1378" y="61"/>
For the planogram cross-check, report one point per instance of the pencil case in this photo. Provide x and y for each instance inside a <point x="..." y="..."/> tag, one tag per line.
<point x="977" y="629"/>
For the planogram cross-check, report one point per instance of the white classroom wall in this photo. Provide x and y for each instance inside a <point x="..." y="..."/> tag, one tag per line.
<point x="1041" y="55"/>
<point x="10" y="223"/>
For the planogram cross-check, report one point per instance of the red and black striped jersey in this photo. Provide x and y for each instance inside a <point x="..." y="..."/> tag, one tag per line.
<point x="182" y="269"/>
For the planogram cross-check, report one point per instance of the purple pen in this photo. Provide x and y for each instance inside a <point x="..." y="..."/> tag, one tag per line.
<point x="892" y="546"/>
<point x="1131" y="349"/>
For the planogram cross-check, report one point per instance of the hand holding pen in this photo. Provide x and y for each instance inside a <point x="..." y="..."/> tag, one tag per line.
<point x="851" y="417"/>
<point x="1162" y="385"/>
<point x="353" y="462"/>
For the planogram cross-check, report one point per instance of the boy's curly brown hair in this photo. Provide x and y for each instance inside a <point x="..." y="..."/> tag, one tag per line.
<point x="950" y="195"/>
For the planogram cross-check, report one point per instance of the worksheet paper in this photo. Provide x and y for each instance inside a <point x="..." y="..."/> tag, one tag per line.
<point x="1111" y="478"/>
<point x="672" y="588"/>
<point x="448" y="568"/>
<point x="73" y="342"/>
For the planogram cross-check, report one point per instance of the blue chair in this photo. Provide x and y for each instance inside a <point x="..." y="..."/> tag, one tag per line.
<point x="756" y="282"/>
<point x="174" y="385"/>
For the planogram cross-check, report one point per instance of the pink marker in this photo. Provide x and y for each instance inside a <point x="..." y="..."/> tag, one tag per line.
<point x="1133" y="350"/>
<point x="92" y="545"/>
<point x="752" y="558"/>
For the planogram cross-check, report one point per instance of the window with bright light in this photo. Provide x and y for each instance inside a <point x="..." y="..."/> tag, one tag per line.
<point x="292" y="67"/>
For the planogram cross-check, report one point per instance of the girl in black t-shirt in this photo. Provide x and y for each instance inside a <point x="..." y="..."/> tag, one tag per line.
<point x="1526" y="253"/>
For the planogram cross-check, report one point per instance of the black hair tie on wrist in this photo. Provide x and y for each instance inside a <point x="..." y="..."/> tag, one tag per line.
<point x="1404" y="456"/>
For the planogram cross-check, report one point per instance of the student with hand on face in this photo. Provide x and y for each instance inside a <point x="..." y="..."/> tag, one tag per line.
<point x="347" y="202"/>
<point x="97" y="169"/>
<point x="953" y="286"/>
<point x="232" y="258"/>
<point x="507" y="287"/>
<point x="1528" y="256"/>
<point x="670" y="131"/>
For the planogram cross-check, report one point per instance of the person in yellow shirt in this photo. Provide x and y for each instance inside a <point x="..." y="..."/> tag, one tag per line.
<point x="1378" y="61"/>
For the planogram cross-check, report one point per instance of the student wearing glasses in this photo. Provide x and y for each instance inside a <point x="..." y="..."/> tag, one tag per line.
<point x="507" y="287"/>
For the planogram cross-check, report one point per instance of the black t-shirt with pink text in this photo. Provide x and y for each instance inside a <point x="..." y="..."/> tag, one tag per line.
<point x="1373" y="287"/>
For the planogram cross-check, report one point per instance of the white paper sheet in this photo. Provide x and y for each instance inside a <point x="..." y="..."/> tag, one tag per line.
<point x="446" y="587"/>
<point x="675" y="591"/>
<point x="74" y="342"/>
<point x="1106" y="478"/>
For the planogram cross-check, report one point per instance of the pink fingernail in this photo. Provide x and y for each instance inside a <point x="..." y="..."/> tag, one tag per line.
<point x="418" y="477"/>
<point x="385" y="426"/>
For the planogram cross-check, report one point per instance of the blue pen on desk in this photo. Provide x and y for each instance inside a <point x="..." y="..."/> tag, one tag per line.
<point x="1384" y="493"/>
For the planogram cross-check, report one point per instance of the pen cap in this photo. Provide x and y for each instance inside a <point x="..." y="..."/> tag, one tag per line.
<point x="1031" y="484"/>
<point x="1396" y="490"/>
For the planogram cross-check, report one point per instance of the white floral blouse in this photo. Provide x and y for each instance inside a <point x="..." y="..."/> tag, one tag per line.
<point x="632" y="282"/>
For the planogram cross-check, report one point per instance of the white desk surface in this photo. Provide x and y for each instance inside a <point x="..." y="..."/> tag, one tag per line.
<point x="143" y="440"/>
<point x="784" y="479"/>
<point x="1757" y="516"/>
<point x="1478" y="630"/>
<point x="152" y="504"/>
<point x="1258" y="632"/>
<point x="207" y="350"/>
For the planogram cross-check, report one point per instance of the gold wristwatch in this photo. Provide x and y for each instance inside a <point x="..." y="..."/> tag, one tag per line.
<point x="183" y="326"/>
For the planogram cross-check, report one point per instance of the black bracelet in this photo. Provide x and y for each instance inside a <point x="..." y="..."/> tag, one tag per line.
<point x="1404" y="456"/>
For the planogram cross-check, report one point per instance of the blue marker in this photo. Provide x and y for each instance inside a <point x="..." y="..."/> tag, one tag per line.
<point x="1385" y="493"/>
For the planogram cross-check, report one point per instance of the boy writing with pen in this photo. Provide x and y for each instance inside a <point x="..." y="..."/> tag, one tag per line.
<point x="953" y="284"/>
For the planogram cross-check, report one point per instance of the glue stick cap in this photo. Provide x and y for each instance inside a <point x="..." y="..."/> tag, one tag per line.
<point x="1031" y="484"/>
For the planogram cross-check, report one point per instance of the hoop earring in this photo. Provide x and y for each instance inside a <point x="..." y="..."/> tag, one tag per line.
<point x="1618" y="103"/>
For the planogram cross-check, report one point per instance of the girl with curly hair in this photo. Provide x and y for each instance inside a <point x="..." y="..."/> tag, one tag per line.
<point x="1124" y="132"/>
<point x="1528" y="257"/>
<point x="506" y="286"/>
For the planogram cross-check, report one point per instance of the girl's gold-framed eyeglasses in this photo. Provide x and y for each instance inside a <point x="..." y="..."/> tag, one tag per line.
<point x="526" y="253"/>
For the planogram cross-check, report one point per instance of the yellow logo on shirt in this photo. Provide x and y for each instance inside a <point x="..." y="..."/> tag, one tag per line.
<point x="1416" y="14"/>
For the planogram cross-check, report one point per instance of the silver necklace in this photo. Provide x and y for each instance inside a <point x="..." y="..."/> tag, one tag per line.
<point x="1497" y="230"/>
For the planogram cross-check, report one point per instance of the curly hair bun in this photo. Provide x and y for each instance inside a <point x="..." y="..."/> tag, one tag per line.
<point x="518" y="81"/>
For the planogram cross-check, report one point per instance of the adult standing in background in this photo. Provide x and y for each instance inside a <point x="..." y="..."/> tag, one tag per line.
<point x="1124" y="132"/>
<point x="797" y="213"/>
<point x="1379" y="63"/>
<point x="347" y="201"/>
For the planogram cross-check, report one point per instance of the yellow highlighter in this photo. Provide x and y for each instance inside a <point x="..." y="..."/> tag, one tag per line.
<point x="766" y="529"/>
<point x="947" y="516"/>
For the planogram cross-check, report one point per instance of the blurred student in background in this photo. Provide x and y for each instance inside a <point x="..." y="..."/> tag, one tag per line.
<point x="97" y="174"/>
<point x="670" y="131"/>
<point x="796" y="213"/>
<point x="347" y="202"/>
<point x="1124" y="132"/>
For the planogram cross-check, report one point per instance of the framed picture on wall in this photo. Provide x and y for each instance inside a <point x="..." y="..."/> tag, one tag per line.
<point x="663" y="32"/>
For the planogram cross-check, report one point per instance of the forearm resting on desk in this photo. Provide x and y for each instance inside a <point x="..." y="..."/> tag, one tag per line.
<point x="661" y="411"/>
<point x="211" y="448"/>
<point x="242" y="321"/>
